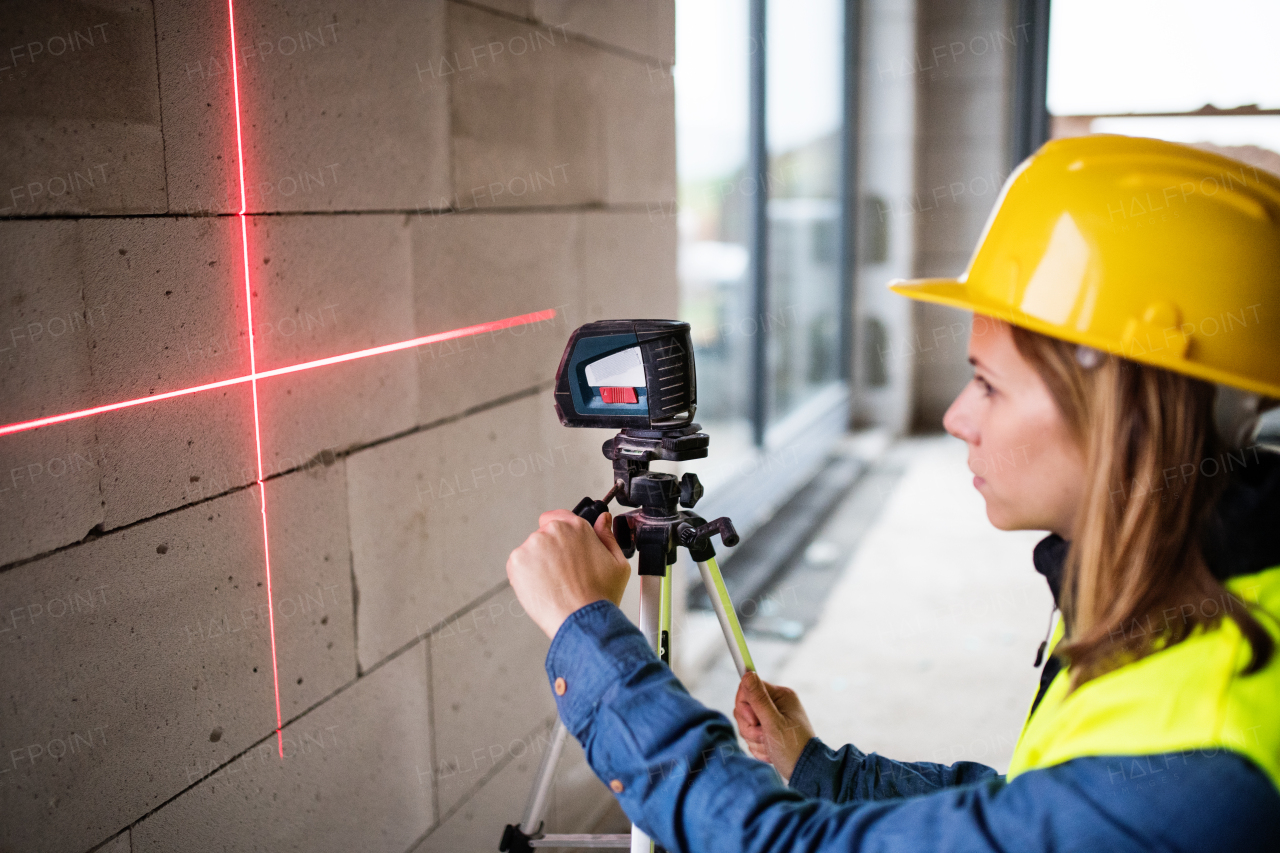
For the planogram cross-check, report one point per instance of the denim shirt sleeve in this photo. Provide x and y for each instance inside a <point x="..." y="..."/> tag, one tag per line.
<point x="680" y="776"/>
<point x="848" y="775"/>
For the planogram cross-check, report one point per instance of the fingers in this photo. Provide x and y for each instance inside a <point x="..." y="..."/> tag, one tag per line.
<point x="748" y="722"/>
<point x="604" y="530"/>
<point x="746" y="715"/>
<point x="742" y="709"/>
<point x="556" y="515"/>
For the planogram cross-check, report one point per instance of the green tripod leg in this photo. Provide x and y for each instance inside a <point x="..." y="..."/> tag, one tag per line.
<point x="729" y="624"/>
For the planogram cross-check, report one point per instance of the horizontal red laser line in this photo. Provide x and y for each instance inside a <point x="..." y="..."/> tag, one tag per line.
<point x="466" y="331"/>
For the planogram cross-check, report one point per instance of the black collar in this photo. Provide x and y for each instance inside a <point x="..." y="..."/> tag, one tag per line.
<point x="1049" y="557"/>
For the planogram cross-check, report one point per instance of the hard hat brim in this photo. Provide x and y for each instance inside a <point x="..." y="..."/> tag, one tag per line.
<point x="955" y="293"/>
<point x="951" y="292"/>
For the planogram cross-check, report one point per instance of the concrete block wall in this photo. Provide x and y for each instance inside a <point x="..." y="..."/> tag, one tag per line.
<point x="409" y="168"/>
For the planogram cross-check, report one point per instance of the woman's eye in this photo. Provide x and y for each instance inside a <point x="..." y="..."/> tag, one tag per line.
<point x="984" y="385"/>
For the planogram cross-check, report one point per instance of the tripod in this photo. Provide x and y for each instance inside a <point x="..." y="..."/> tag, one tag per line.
<point x="656" y="528"/>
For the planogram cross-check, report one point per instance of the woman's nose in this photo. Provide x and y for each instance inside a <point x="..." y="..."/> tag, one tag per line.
<point x="958" y="421"/>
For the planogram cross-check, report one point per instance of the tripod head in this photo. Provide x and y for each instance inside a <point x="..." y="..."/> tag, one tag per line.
<point x="638" y="375"/>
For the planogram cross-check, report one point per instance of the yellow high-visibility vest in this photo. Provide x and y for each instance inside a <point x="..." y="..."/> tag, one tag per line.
<point x="1189" y="697"/>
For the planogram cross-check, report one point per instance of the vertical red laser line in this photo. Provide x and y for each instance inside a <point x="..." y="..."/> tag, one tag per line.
<point x="253" y="370"/>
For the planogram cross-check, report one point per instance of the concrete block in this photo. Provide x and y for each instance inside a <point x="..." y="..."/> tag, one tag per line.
<point x="314" y="138"/>
<point x="639" y="119"/>
<point x="49" y="477"/>
<point x="648" y="28"/>
<point x="113" y="693"/>
<point x="579" y="801"/>
<point x="519" y="8"/>
<point x="311" y="585"/>
<point x="81" y="124"/>
<point x="489" y="694"/>
<point x="628" y="265"/>
<point x="355" y="776"/>
<point x="472" y="268"/>
<point x="174" y="292"/>
<point x="193" y="57"/>
<point x="435" y="514"/>
<point x="119" y="844"/>
<point x="147" y="654"/>
<point x="526" y="113"/>
<point x="158" y="457"/>
<point x="326" y="286"/>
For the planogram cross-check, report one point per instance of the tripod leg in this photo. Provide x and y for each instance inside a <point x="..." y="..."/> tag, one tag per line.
<point x="664" y="620"/>
<point x="652" y="599"/>
<point x="719" y="595"/>
<point x="536" y="806"/>
<point x="651" y="609"/>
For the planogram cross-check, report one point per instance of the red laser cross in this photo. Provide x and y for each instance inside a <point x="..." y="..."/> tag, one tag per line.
<point x="253" y="376"/>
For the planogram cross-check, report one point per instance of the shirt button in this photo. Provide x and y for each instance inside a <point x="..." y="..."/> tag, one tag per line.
<point x="615" y="786"/>
<point x="560" y="687"/>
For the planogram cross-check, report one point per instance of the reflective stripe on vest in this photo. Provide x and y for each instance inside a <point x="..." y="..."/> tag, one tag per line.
<point x="1190" y="697"/>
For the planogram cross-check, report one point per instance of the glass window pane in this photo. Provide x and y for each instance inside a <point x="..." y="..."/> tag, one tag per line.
<point x="711" y="80"/>
<point x="1162" y="55"/>
<point x="1168" y="56"/>
<point x="804" y="102"/>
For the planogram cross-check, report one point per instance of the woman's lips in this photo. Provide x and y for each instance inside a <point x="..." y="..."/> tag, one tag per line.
<point x="978" y="482"/>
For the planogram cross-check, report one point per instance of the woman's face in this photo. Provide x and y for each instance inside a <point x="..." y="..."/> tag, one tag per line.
<point x="1027" y="467"/>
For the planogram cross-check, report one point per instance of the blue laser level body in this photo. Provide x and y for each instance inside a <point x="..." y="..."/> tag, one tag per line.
<point x="618" y="374"/>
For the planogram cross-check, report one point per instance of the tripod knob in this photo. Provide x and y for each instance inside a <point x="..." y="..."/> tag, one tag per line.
<point x="697" y="537"/>
<point x="622" y="533"/>
<point x="656" y="491"/>
<point x="690" y="490"/>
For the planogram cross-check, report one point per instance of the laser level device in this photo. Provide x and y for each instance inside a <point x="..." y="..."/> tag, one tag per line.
<point x="618" y="374"/>
<point x="637" y="376"/>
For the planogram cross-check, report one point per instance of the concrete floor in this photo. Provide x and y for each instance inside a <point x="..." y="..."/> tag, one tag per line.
<point x="924" y="648"/>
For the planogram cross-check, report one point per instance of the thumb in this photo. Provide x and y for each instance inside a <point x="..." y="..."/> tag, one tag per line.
<point x="604" y="530"/>
<point x="758" y="697"/>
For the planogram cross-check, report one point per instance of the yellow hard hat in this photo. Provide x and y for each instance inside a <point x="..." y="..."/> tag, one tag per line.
<point x="1157" y="252"/>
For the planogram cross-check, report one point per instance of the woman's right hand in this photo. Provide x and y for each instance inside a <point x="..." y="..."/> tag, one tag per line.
<point x="772" y="722"/>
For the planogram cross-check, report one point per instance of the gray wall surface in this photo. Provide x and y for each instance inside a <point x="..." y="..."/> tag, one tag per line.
<point x="964" y="56"/>
<point x="409" y="168"/>
<point x="884" y="324"/>
<point x="936" y="77"/>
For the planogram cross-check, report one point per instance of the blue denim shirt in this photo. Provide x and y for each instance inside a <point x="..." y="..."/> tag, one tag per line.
<point x="686" y="783"/>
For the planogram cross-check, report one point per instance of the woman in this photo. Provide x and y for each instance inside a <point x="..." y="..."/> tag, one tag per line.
<point x="1157" y="721"/>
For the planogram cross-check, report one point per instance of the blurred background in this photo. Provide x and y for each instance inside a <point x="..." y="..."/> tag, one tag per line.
<point x="359" y="174"/>
<point x="881" y="133"/>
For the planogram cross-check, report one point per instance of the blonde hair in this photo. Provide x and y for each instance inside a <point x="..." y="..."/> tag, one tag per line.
<point x="1135" y="578"/>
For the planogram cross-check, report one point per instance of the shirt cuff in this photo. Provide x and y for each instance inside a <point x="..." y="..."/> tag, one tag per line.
<point x="809" y="762"/>
<point x="591" y="652"/>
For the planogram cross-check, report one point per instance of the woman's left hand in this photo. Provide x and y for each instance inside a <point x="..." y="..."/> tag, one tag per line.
<point x="772" y="722"/>
<point x="565" y="565"/>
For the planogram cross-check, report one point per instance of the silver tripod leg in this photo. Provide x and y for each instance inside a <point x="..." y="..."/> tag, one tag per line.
<point x="652" y="591"/>
<point x="536" y="806"/>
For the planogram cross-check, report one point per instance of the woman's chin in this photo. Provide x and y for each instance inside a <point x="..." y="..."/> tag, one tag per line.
<point x="1000" y="517"/>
